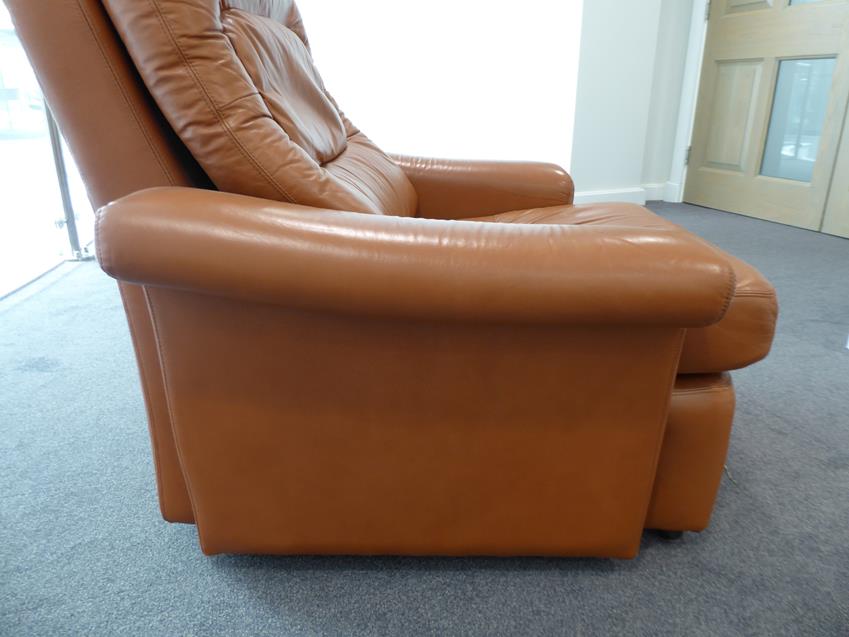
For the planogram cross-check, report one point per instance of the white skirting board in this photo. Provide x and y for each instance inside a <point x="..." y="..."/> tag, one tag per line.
<point x="630" y="195"/>
<point x="655" y="192"/>
<point x="673" y="192"/>
<point x="668" y="191"/>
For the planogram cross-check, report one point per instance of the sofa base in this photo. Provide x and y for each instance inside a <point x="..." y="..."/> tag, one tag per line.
<point x="568" y="477"/>
<point x="693" y="456"/>
<point x="330" y="434"/>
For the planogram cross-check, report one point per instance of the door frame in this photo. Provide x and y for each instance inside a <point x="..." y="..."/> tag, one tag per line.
<point x="674" y="191"/>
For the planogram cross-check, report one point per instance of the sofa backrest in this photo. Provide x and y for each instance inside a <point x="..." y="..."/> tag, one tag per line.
<point x="118" y="136"/>
<point x="236" y="80"/>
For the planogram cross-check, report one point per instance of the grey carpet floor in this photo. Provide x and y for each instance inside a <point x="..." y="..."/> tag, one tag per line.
<point x="84" y="551"/>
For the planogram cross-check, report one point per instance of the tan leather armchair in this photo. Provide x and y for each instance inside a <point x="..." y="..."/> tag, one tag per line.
<point x="344" y="351"/>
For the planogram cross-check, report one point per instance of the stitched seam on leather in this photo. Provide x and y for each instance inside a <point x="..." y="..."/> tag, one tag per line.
<point x="160" y="349"/>
<point x="261" y="96"/>
<point x="208" y="98"/>
<point x="703" y="390"/>
<point x="729" y="293"/>
<point x="128" y="102"/>
<point x="761" y="295"/>
<point x="353" y="182"/>
<point x="256" y="93"/>
<point x="322" y="164"/>
<point x="239" y="99"/>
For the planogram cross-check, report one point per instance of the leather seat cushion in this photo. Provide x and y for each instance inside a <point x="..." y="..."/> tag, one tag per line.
<point x="236" y="80"/>
<point x="742" y="337"/>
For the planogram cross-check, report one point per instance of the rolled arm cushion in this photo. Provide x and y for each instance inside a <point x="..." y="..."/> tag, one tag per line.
<point x="259" y="250"/>
<point x="744" y="336"/>
<point x="457" y="188"/>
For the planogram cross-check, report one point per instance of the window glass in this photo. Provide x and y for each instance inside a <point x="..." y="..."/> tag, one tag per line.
<point x="798" y="113"/>
<point x="33" y="232"/>
<point x="32" y="237"/>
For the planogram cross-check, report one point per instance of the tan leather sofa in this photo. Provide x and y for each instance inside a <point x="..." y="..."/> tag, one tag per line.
<point x="344" y="351"/>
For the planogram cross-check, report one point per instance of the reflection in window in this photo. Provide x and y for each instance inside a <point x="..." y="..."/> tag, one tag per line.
<point x="798" y="113"/>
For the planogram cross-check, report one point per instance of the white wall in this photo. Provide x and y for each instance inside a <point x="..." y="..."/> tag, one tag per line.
<point x="672" y="42"/>
<point x="595" y="88"/>
<point x="629" y="88"/>
<point x="618" y="44"/>
<point x="485" y="79"/>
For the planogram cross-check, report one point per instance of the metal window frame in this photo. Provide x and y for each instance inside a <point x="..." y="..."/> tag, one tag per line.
<point x="64" y="189"/>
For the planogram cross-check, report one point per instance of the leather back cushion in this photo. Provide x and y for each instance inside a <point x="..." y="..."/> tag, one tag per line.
<point x="235" y="79"/>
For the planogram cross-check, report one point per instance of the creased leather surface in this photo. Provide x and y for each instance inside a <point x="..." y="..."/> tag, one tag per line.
<point x="255" y="249"/>
<point x="239" y="88"/>
<point x="281" y="11"/>
<point x="281" y="69"/>
<point x="742" y="337"/>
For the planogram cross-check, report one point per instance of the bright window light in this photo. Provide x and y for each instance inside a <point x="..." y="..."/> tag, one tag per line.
<point x="480" y="79"/>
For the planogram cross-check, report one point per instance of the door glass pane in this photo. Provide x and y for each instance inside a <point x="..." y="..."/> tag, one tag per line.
<point x="793" y="3"/>
<point x="32" y="237"/>
<point x="798" y="112"/>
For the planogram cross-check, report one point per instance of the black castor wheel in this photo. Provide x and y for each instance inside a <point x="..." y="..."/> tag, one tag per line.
<point x="670" y="536"/>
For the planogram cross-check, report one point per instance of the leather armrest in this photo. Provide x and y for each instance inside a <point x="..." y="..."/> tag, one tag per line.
<point x="300" y="257"/>
<point x="458" y="189"/>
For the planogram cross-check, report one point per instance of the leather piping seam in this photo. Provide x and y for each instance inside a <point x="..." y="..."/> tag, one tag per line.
<point x="762" y="295"/>
<point x="703" y="390"/>
<point x="160" y="348"/>
<point x="729" y="294"/>
<point x="756" y="356"/>
<point x="227" y="105"/>
<point x="127" y="101"/>
<point x="208" y="98"/>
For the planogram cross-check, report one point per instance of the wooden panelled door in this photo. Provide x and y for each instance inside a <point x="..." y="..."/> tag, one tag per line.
<point x="769" y="138"/>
